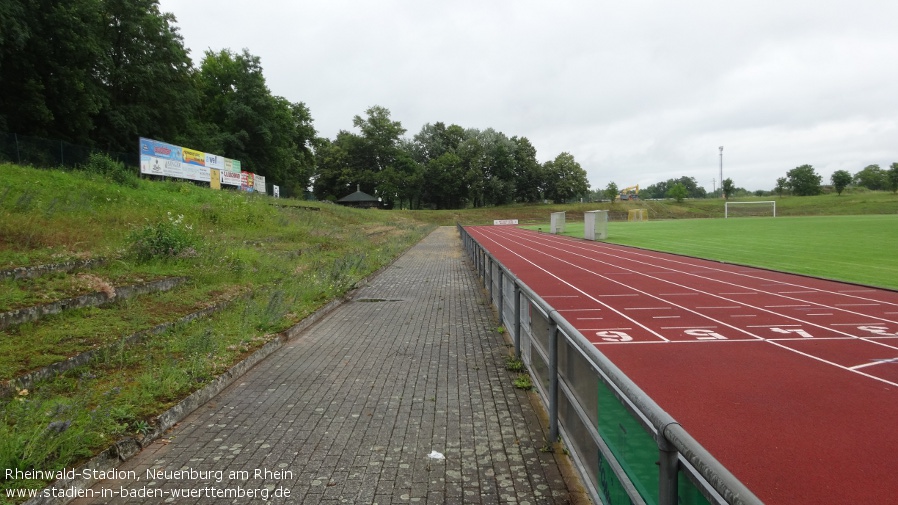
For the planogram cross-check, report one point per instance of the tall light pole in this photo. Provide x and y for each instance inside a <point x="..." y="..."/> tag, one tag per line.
<point x="721" y="172"/>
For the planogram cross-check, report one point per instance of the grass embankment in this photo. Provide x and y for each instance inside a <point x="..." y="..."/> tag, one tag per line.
<point x="274" y="261"/>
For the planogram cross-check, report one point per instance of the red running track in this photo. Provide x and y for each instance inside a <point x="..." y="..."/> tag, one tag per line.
<point x="791" y="382"/>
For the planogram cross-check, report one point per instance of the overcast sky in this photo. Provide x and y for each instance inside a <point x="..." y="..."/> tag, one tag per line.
<point x="639" y="91"/>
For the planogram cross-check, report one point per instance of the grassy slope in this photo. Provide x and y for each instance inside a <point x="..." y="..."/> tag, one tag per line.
<point x="276" y="261"/>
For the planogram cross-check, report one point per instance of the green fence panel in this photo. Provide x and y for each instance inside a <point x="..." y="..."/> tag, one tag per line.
<point x="688" y="493"/>
<point x="632" y="446"/>
<point x="611" y="491"/>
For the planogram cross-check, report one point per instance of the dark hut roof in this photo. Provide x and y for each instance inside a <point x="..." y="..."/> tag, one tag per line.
<point x="356" y="197"/>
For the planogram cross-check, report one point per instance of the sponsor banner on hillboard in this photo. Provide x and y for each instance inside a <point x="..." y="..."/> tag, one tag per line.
<point x="161" y="166"/>
<point x="193" y="157"/>
<point x="259" y="183"/>
<point x="246" y="181"/>
<point x="215" y="161"/>
<point x="160" y="158"/>
<point x="229" y="178"/>
<point x="156" y="149"/>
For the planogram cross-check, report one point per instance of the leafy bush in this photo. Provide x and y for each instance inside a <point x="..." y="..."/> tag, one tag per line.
<point x="163" y="240"/>
<point x="116" y="171"/>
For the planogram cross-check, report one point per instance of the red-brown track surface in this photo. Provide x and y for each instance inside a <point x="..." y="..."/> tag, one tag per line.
<point x="791" y="382"/>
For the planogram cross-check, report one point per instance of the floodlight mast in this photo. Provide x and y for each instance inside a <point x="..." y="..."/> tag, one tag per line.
<point x="722" y="195"/>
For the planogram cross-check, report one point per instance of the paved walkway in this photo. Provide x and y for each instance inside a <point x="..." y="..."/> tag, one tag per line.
<point x="352" y="409"/>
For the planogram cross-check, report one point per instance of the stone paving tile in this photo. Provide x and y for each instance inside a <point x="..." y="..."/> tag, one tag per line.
<point x="349" y="411"/>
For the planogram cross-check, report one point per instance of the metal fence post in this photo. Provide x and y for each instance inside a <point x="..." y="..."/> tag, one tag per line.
<point x="553" y="377"/>
<point x="489" y="283"/>
<point x="667" y="472"/>
<point x="501" y="296"/>
<point x="517" y="321"/>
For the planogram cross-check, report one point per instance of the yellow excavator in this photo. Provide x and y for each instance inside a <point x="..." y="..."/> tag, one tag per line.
<point x="631" y="193"/>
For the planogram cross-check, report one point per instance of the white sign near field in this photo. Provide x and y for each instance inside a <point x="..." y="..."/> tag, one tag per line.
<point x="504" y="222"/>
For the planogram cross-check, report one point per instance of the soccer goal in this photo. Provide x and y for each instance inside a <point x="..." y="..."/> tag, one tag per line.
<point x="750" y="209"/>
<point x="638" y="215"/>
<point x="556" y="224"/>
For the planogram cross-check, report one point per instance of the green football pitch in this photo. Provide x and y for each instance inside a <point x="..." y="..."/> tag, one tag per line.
<point x="860" y="249"/>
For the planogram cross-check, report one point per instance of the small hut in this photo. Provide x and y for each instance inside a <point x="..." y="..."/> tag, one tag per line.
<point x="360" y="200"/>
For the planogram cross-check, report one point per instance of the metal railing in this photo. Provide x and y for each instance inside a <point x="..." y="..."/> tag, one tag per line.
<point x="626" y="448"/>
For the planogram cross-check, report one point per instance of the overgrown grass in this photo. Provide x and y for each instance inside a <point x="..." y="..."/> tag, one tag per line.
<point x="278" y="261"/>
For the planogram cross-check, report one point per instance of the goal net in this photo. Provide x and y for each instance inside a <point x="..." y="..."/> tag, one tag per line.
<point x="750" y="209"/>
<point x="638" y="215"/>
<point x="556" y="224"/>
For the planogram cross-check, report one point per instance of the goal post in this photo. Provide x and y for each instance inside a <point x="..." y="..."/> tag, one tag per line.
<point x="637" y="215"/>
<point x="765" y="208"/>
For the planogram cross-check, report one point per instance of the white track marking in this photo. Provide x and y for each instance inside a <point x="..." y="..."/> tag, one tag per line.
<point x="754" y="337"/>
<point x="649" y="330"/>
<point x="884" y="361"/>
<point x="596" y="248"/>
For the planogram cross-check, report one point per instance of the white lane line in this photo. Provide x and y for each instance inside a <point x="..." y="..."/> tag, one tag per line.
<point x="783" y="306"/>
<point x="857" y="305"/>
<point x="634" y="342"/>
<point x="647" y="308"/>
<point x="665" y="317"/>
<point x="819" y="314"/>
<point x="688" y="328"/>
<point x="579" y="310"/>
<point x="804" y="292"/>
<point x="875" y="362"/>
<point x="775" y="326"/>
<point x="721" y="307"/>
<point x="678" y="294"/>
<point x="855" y="324"/>
<point x="806" y="339"/>
<point x="561" y="296"/>
<point x="609" y="296"/>
<point x="739" y="294"/>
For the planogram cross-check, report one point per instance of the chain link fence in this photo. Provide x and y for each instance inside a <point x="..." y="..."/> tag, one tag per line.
<point x="46" y="153"/>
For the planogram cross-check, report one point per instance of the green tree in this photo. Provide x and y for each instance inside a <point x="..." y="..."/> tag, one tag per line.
<point x="678" y="192"/>
<point x="566" y="179"/>
<point x="782" y="186"/>
<point x="444" y="184"/>
<point x="611" y="191"/>
<point x="804" y="181"/>
<point x="336" y="173"/>
<point x="728" y="188"/>
<point x="840" y="180"/>
<point x="872" y="177"/>
<point x="660" y="189"/>
<point x="239" y="118"/>
<point x="49" y="54"/>
<point x="893" y="178"/>
<point x="145" y="76"/>
<point x="528" y="175"/>
<point x="447" y="183"/>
